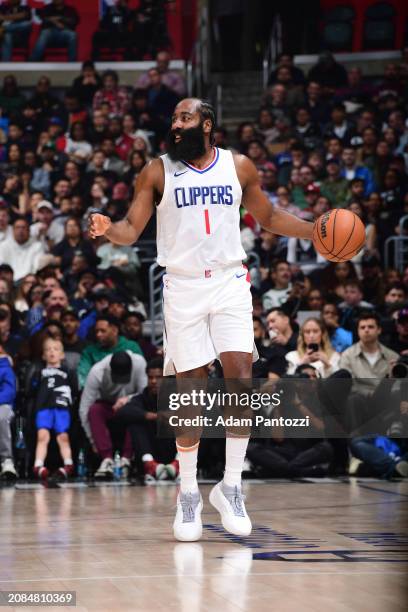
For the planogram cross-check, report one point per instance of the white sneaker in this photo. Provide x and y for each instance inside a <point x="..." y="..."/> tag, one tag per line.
<point x="229" y="502"/>
<point x="8" y="471"/>
<point x="105" y="470"/>
<point x="187" y="526"/>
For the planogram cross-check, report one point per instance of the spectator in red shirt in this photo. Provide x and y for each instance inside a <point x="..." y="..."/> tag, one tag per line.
<point x="111" y="93"/>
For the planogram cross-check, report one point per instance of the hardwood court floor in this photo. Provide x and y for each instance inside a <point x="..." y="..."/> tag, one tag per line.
<point x="329" y="546"/>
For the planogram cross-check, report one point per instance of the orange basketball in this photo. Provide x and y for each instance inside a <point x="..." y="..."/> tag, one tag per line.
<point x="338" y="235"/>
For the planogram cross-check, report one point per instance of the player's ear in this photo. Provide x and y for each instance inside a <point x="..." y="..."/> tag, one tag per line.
<point x="207" y="126"/>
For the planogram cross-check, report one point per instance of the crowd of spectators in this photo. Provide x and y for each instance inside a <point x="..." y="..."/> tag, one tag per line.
<point x="324" y="140"/>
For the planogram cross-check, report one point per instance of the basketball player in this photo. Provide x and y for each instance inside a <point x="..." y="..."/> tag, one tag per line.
<point x="197" y="190"/>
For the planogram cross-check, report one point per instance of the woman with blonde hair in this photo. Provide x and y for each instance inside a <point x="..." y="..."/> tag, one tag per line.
<point x="314" y="348"/>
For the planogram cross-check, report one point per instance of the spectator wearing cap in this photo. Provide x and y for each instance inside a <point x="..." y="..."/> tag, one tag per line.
<point x="113" y="94"/>
<point x="352" y="170"/>
<point x="20" y="251"/>
<point x="6" y="231"/>
<point x="334" y="187"/>
<point x="108" y="342"/>
<point x="59" y="22"/>
<point x="72" y="342"/>
<point x="109" y="386"/>
<point x="45" y="229"/>
<point x="173" y="80"/>
<point x="132" y="328"/>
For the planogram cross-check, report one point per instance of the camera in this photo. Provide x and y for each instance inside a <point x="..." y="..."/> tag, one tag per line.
<point x="400" y="369"/>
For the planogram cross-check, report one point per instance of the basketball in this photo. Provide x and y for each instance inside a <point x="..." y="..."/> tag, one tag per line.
<point x="339" y="235"/>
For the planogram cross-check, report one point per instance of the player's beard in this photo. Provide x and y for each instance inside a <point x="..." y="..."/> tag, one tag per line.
<point x="191" y="145"/>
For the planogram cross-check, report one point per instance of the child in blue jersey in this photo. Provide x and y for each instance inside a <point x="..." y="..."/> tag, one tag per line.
<point x="53" y="408"/>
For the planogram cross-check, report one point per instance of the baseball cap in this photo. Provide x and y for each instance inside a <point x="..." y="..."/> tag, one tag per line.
<point x="70" y="311"/>
<point x="402" y="315"/>
<point x="121" y="367"/>
<point x="45" y="204"/>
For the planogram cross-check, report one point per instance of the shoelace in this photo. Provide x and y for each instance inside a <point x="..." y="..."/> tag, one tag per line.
<point x="236" y="500"/>
<point x="188" y="508"/>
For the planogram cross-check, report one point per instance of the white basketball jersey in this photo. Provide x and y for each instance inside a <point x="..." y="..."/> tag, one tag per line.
<point x="198" y="217"/>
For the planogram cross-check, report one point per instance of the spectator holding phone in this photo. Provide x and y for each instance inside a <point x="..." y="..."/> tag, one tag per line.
<point x="314" y="347"/>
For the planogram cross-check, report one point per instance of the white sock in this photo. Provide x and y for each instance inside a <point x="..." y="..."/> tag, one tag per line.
<point x="187" y="456"/>
<point x="235" y="450"/>
<point x="68" y="462"/>
<point x="38" y="463"/>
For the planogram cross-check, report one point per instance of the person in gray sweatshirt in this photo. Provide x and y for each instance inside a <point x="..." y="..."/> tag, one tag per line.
<point x="110" y="384"/>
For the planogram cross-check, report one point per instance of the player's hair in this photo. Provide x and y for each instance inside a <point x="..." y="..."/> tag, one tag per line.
<point x="207" y="111"/>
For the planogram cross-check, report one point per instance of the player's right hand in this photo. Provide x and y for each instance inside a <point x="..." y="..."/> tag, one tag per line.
<point x="98" y="225"/>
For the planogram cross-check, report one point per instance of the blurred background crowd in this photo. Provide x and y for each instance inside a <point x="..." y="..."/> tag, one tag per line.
<point x="328" y="138"/>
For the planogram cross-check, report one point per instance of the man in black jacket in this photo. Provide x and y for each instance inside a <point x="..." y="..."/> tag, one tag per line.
<point x="58" y="28"/>
<point x="114" y="30"/>
<point x="140" y="415"/>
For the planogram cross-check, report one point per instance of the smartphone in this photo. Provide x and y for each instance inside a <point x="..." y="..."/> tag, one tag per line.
<point x="312" y="348"/>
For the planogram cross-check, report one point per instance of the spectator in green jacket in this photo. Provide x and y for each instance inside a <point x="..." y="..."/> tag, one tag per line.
<point x="108" y="342"/>
<point x="334" y="187"/>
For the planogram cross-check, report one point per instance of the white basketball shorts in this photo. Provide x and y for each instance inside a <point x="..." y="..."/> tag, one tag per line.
<point x="205" y="316"/>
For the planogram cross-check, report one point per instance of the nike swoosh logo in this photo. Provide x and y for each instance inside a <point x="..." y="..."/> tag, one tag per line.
<point x="180" y="173"/>
<point x="240" y="275"/>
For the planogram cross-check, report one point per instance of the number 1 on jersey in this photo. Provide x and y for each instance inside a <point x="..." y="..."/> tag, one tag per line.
<point x="207" y="222"/>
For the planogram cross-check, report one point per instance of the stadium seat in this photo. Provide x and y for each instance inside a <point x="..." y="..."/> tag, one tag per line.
<point x="379" y="27"/>
<point x="338" y="28"/>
